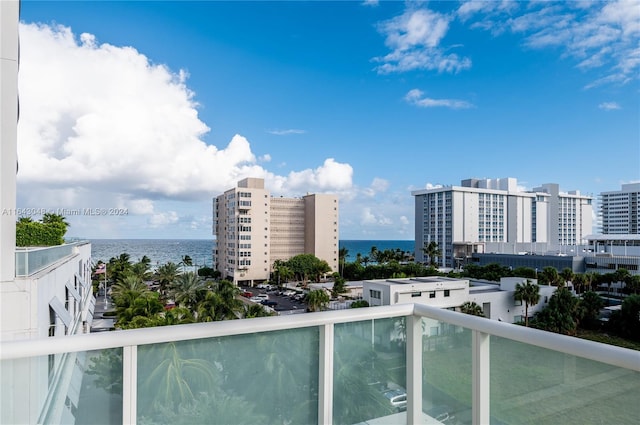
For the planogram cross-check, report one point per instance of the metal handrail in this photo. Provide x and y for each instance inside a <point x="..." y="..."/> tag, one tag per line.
<point x="616" y="356"/>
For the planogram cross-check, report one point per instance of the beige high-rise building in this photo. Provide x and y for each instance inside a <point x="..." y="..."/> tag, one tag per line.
<point x="254" y="229"/>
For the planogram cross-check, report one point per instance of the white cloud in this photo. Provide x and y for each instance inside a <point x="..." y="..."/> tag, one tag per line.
<point x="599" y="35"/>
<point x="369" y="218"/>
<point x="332" y="176"/>
<point x="140" y="206"/>
<point x="103" y="126"/>
<point x="432" y="186"/>
<point x="416" y="97"/>
<point x="163" y="219"/>
<point x="414" y="39"/>
<point x="379" y="185"/>
<point x="286" y="132"/>
<point x="372" y="3"/>
<point x="609" y="106"/>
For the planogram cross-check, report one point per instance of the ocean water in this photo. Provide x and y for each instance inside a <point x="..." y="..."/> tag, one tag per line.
<point x="161" y="251"/>
<point x="363" y="247"/>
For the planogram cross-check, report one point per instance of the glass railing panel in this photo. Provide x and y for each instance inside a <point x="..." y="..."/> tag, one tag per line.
<point x="369" y="374"/>
<point x="532" y="385"/>
<point x="31" y="260"/>
<point x="101" y="394"/>
<point x="447" y="372"/>
<point x="262" y="378"/>
<point x="82" y="387"/>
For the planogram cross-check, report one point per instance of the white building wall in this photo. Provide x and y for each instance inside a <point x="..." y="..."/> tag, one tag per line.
<point x="493" y="211"/>
<point x="502" y="305"/>
<point x="496" y="299"/>
<point x="9" y="11"/>
<point x="620" y="210"/>
<point x="26" y="301"/>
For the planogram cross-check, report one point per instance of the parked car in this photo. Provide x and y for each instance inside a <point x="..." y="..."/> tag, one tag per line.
<point x="262" y="296"/>
<point x="247" y="294"/>
<point x="397" y="398"/>
<point x="256" y="299"/>
<point x="269" y="303"/>
<point x="289" y="293"/>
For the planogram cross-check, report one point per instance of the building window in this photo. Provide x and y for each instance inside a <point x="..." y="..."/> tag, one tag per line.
<point x="432" y="294"/>
<point x="416" y="294"/>
<point x="375" y="294"/>
<point x="447" y="293"/>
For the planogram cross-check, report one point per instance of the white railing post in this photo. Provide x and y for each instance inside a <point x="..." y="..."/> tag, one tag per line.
<point x="129" y="384"/>
<point x="414" y="369"/>
<point x="481" y="376"/>
<point x="325" y="381"/>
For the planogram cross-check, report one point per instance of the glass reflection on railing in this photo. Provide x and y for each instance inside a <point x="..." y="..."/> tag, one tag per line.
<point x="533" y="385"/>
<point x="262" y="378"/>
<point x="369" y="374"/>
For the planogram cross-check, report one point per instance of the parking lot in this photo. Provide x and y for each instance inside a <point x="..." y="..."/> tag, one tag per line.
<point x="284" y="303"/>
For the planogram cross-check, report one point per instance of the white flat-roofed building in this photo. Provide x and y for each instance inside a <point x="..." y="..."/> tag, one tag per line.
<point x="619" y="212"/>
<point x="254" y="229"/>
<point x="496" y="299"/>
<point x="483" y="215"/>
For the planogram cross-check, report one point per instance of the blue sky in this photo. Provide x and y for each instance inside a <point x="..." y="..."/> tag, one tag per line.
<point x="153" y="108"/>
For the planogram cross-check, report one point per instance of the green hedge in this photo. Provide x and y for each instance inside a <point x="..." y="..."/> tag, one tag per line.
<point x="35" y="233"/>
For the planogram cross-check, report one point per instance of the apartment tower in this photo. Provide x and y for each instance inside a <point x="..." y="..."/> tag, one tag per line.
<point x="254" y="229"/>
<point x="619" y="213"/>
<point x="486" y="215"/>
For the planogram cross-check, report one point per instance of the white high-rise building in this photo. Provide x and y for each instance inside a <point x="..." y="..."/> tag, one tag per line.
<point x="619" y="212"/>
<point x="485" y="215"/>
<point x="254" y="229"/>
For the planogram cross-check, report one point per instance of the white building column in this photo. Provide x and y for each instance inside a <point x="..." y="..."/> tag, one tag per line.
<point x="9" y="16"/>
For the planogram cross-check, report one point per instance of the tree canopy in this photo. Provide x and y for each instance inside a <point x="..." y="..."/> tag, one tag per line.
<point x="49" y="231"/>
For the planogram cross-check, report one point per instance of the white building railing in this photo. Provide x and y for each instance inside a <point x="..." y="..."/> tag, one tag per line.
<point x="30" y="260"/>
<point x="336" y="327"/>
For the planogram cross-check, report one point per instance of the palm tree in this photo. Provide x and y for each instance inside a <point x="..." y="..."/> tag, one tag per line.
<point x="550" y="276"/>
<point x="166" y="274"/>
<point x="129" y="282"/>
<point x="529" y="293"/>
<point x="578" y="281"/>
<point x="566" y="275"/>
<point x="317" y="300"/>
<point x="186" y="262"/>
<point x="50" y="218"/>
<point x="230" y="306"/>
<point x="622" y="276"/>
<point x="343" y="253"/>
<point x="472" y="308"/>
<point x="432" y="251"/>
<point x="254" y="310"/>
<point x="187" y="290"/>
<point x="374" y="254"/>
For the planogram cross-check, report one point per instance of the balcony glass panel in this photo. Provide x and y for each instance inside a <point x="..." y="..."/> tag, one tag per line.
<point x="265" y="378"/>
<point x="369" y="364"/>
<point x="447" y="372"/>
<point x="101" y="392"/>
<point x="32" y="260"/>
<point x="532" y="385"/>
<point x="57" y="388"/>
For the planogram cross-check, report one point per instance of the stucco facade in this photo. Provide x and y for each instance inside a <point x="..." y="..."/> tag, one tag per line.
<point x="254" y="229"/>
